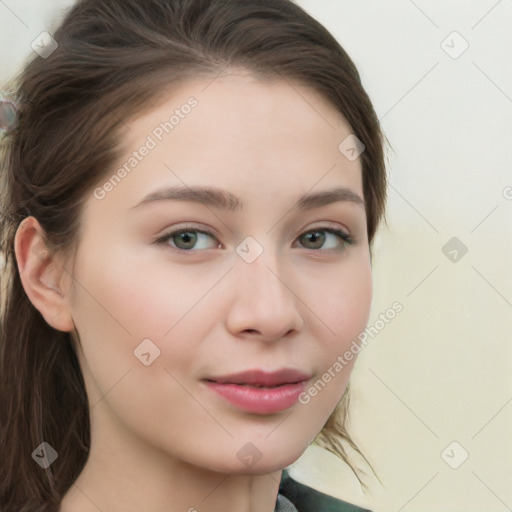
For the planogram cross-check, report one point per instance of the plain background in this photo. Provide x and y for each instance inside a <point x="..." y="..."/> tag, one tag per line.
<point x="439" y="372"/>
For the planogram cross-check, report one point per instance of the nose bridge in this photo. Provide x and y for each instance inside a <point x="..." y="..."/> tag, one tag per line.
<point x="264" y="300"/>
<point x="261" y="266"/>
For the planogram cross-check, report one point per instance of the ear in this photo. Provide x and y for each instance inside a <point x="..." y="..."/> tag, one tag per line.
<point x="42" y="275"/>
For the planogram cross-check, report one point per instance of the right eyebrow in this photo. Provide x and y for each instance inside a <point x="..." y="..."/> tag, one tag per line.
<point x="223" y="199"/>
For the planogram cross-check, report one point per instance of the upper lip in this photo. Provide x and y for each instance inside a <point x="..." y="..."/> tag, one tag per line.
<point x="261" y="378"/>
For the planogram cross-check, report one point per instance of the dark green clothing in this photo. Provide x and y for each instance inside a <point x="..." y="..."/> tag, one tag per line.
<point x="296" y="497"/>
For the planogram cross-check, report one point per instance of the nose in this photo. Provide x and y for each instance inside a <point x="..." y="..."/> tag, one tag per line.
<point x="264" y="302"/>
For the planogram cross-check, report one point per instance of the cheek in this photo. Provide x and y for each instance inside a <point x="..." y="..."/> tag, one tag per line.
<point x="125" y="301"/>
<point x="115" y="310"/>
<point x="343" y="303"/>
<point x="139" y="296"/>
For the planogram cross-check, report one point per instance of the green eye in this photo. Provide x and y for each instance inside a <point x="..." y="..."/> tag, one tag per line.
<point x="184" y="239"/>
<point x="188" y="239"/>
<point x="319" y="237"/>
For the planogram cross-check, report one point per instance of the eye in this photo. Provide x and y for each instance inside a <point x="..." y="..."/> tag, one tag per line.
<point x="318" y="237"/>
<point x="188" y="239"/>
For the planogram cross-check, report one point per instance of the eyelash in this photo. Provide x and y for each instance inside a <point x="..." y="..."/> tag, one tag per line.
<point x="345" y="237"/>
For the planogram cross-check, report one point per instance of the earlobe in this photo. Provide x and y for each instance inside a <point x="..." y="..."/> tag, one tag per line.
<point x="41" y="275"/>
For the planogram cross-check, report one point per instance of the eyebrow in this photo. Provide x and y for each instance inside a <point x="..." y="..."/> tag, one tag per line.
<point x="224" y="200"/>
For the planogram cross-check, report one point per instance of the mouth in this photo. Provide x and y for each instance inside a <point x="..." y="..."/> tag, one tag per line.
<point x="260" y="392"/>
<point x="261" y="379"/>
<point x="245" y="385"/>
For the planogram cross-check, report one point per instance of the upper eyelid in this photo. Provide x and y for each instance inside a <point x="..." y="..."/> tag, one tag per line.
<point x="210" y="232"/>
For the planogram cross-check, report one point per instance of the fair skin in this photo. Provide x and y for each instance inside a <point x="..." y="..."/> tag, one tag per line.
<point x="162" y="441"/>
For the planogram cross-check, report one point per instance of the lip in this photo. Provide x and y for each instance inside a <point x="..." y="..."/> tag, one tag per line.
<point x="260" y="378"/>
<point x="260" y="392"/>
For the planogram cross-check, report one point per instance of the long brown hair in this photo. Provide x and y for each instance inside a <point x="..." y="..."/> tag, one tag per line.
<point x="115" y="58"/>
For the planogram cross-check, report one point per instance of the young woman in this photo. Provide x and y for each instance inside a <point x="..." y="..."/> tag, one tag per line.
<point x="189" y="198"/>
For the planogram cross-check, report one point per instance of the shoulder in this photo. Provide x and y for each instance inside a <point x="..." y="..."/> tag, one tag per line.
<point x="307" y="499"/>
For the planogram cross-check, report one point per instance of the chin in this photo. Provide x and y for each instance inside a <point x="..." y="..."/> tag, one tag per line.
<point x="269" y="463"/>
<point x="227" y="464"/>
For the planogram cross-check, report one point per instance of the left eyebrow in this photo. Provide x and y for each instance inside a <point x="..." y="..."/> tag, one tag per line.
<point x="222" y="199"/>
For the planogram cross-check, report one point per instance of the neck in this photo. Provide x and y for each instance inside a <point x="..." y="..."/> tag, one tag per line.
<point x="123" y="474"/>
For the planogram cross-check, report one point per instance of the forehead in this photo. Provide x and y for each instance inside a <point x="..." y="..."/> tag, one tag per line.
<point x="268" y="138"/>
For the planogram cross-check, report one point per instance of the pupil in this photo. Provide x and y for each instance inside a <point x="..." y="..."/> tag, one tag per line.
<point x="185" y="237"/>
<point x="316" y="234"/>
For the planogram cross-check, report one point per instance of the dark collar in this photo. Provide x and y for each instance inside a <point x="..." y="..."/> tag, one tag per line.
<point x="307" y="499"/>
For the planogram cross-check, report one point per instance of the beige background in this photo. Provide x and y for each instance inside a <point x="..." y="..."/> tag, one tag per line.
<point x="439" y="372"/>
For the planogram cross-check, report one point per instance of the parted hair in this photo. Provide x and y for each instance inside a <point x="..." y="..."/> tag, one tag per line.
<point x="113" y="61"/>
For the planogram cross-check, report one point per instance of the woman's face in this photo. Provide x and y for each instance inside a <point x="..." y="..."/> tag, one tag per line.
<point x="261" y="287"/>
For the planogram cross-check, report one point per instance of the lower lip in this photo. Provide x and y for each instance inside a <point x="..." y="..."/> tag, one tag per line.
<point x="259" y="400"/>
